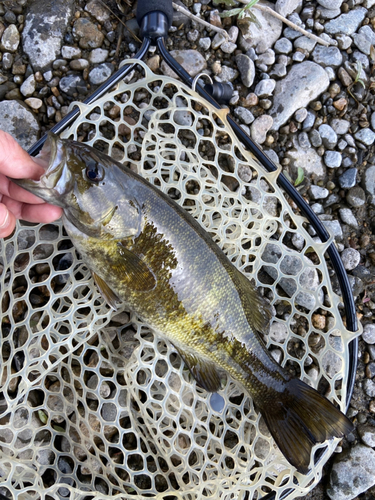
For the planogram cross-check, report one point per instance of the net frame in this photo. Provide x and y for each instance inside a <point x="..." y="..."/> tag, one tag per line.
<point x="185" y="147"/>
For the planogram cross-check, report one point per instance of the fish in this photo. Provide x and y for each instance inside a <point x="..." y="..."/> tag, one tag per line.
<point x="146" y="251"/>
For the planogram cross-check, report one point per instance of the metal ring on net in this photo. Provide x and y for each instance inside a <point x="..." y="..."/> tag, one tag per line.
<point x="92" y="403"/>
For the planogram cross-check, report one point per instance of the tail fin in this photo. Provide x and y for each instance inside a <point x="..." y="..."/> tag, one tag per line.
<point x="300" y="418"/>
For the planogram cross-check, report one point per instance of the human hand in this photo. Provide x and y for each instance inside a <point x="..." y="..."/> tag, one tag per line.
<point x="15" y="202"/>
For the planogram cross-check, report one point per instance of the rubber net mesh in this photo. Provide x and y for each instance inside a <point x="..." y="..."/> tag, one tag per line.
<point x="92" y="405"/>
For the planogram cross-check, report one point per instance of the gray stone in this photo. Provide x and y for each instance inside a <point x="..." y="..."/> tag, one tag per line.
<point x="246" y="68"/>
<point x="260" y="37"/>
<point x="348" y="178"/>
<point x="283" y="46"/>
<point x="101" y="73"/>
<point x="315" y="138"/>
<point x="364" y="39"/>
<point x="373" y="120"/>
<point x="369" y="388"/>
<point x="330" y="4"/>
<point x="227" y="74"/>
<point x="41" y="43"/>
<point x="328" y="13"/>
<point x="303" y="140"/>
<point x="10" y="39"/>
<point x="309" y="121"/>
<point x="191" y="60"/>
<point x="267" y="58"/>
<point x="68" y="84"/>
<point x="333" y="227"/>
<point x="305" y="43"/>
<point x="298" y="56"/>
<point x="260" y="127"/>
<point x="328" y="135"/>
<point x="318" y="193"/>
<point x="367" y="435"/>
<point x="332" y="159"/>
<point x="19" y="122"/>
<point x="352" y="473"/>
<point x="366" y="136"/>
<point x="304" y="83"/>
<point x="28" y="87"/>
<point x="7" y="61"/>
<point x="34" y="103"/>
<point x="88" y="34"/>
<point x="347" y="217"/>
<point x="356" y="196"/>
<point x="346" y="23"/>
<point x="327" y="56"/>
<point x="307" y="159"/>
<point x="79" y="64"/>
<point x="265" y="88"/>
<point x="98" y="56"/>
<point x="301" y="115"/>
<point x="344" y="41"/>
<point x="228" y="47"/>
<point x="286" y="7"/>
<point x="298" y="241"/>
<point x="183" y="117"/>
<point x="350" y="258"/>
<point x="279" y="70"/>
<point x="244" y="115"/>
<point x="217" y="40"/>
<point x="368" y="333"/>
<point x="98" y="10"/>
<point x="278" y="332"/>
<point x="341" y="127"/>
<point x="68" y="52"/>
<point x="205" y="43"/>
<point x="368" y="181"/>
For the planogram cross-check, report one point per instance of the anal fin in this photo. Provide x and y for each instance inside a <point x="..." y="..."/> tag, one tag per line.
<point x="204" y="371"/>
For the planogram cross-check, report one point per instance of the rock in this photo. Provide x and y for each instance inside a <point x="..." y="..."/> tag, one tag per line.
<point x="34" y="103"/>
<point x="368" y="333"/>
<point x="366" y="136"/>
<point x="183" y="117"/>
<point x="205" y="43"/>
<point x="304" y="43"/>
<point x="191" y="60"/>
<point x="356" y="196"/>
<point x="69" y="84"/>
<point x="98" y="10"/>
<point x="217" y="40"/>
<point x="286" y="7"/>
<point x="283" y="46"/>
<point x="265" y="88"/>
<point x="79" y="64"/>
<point x="315" y="138"/>
<point x="278" y="332"/>
<point x="70" y="52"/>
<point x="346" y="23"/>
<point x="318" y="193"/>
<point x="329" y="13"/>
<point x="41" y="43"/>
<point x="333" y="227"/>
<point x="304" y="83"/>
<point x="332" y="159"/>
<point x="367" y="435"/>
<point x="10" y="39"/>
<point x="330" y="4"/>
<point x="263" y="37"/>
<point x="369" y="387"/>
<point x="19" y="122"/>
<point x="245" y="115"/>
<point x="300" y="115"/>
<point x="101" y="73"/>
<point x="344" y="41"/>
<point x="352" y="473"/>
<point x="368" y="181"/>
<point x="341" y="127"/>
<point x="153" y="63"/>
<point x="350" y="258"/>
<point x="348" y="178"/>
<point x="98" y="56"/>
<point x="260" y="127"/>
<point x="266" y="59"/>
<point x="90" y="37"/>
<point x="347" y="217"/>
<point x="228" y="47"/>
<point x="328" y="136"/>
<point x="327" y="56"/>
<point x="307" y="159"/>
<point x="227" y="74"/>
<point x="28" y="86"/>
<point x="364" y="39"/>
<point x="246" y="68"/>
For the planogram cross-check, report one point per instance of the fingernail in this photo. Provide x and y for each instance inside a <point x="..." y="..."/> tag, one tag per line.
<point x="5" y="222"/>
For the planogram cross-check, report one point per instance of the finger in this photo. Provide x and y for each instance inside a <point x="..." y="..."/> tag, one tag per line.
<point x="11" y="190"/>
<point x="42" y="212"/>
<point x="7" y="221"/>
<point x="15" y="162"/>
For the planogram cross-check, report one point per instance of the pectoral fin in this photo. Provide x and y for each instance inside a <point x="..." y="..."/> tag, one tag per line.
<point x="140" y="277"/>
<point x="109" y="295"/>
<point x="204" y="371"/>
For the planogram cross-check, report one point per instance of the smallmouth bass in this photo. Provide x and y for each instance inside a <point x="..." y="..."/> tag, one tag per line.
<point x="143" y="249"/>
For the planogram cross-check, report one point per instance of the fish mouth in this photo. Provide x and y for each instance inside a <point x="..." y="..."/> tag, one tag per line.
<point x="54" y="182"/>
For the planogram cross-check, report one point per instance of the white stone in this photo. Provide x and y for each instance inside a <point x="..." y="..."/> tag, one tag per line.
<point x="28" y="86"/>
<point x="70" y="52"/>
<point x="19" y="122"/>
<point x="98" y="56"/>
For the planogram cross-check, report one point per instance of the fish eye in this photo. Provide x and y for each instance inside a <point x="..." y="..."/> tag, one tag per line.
<point x="94" y="173"/>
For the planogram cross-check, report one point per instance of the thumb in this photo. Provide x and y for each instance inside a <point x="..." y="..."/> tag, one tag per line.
<point x="7" y="221"/>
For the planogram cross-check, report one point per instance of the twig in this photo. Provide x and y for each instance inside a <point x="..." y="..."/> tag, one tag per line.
<point x="201" y="21"/>
<point x="270" y="11"/>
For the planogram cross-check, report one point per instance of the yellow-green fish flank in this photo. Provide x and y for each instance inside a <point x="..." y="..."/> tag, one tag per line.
<point x="145" y="250"/>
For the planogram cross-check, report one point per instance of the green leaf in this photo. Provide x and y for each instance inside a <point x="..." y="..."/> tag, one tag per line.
<point x="300" y="177"/>
<point x="58" y="428"/>
<point x="42" y="416"/>
<point x="230" y="13"/>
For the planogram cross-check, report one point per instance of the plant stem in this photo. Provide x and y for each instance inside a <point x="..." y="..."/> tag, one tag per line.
<point x="199" y="20"/>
